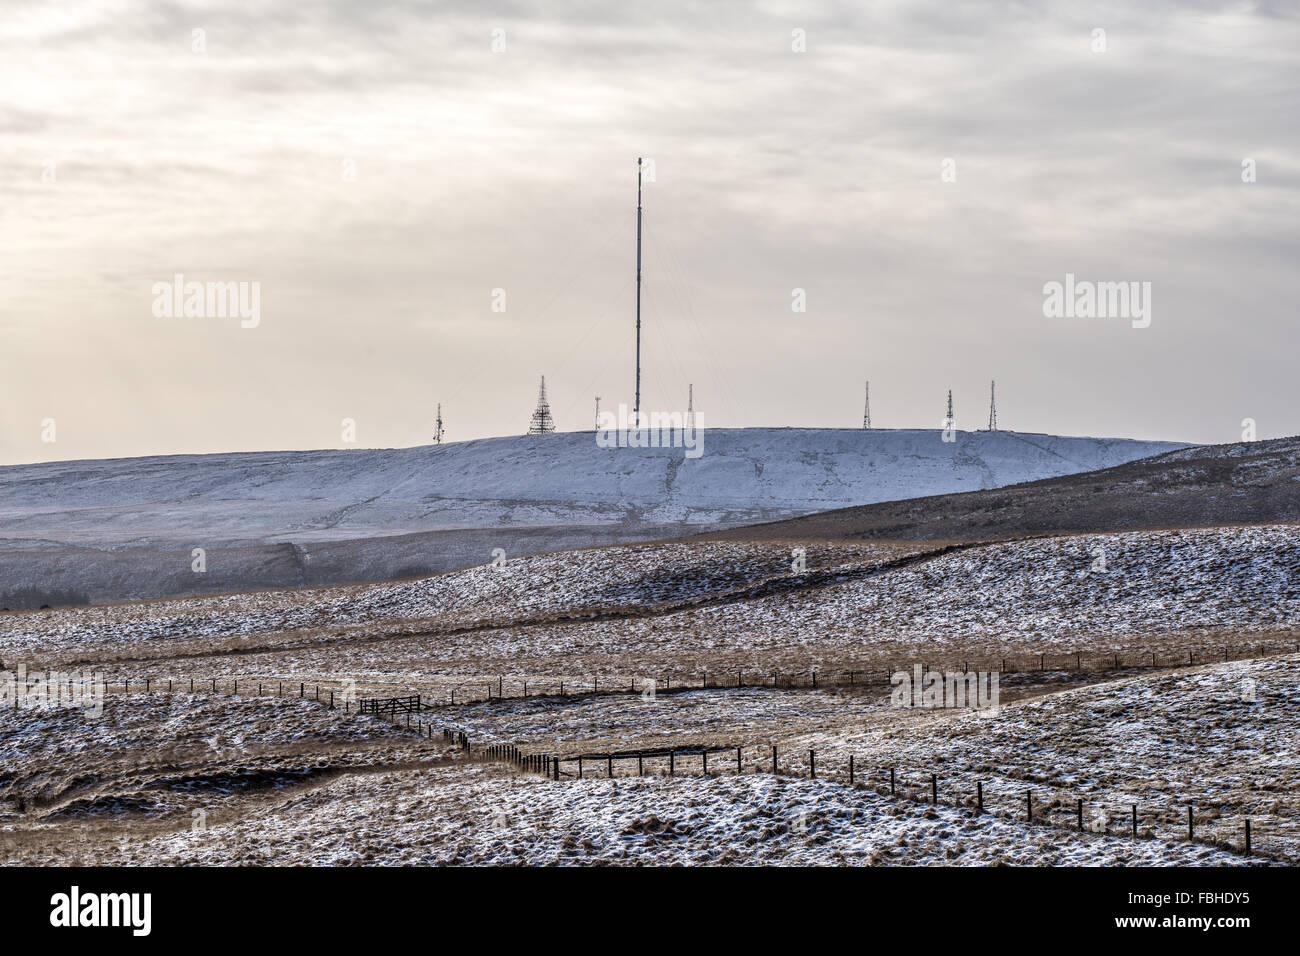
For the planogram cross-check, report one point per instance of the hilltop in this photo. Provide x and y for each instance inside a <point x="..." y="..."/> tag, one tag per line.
<point x="125" y="528"/>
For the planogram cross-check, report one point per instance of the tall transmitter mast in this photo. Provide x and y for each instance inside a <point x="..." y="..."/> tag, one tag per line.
<point x="637" y="407"/>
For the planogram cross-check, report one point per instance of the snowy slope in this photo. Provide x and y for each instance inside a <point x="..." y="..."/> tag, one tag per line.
<point x="282" y="515"/>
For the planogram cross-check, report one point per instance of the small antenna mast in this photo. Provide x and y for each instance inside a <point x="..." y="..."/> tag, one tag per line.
<point x="866" y="409"/>
<point x="438" y="430"/>
<point x="993" y="406"/>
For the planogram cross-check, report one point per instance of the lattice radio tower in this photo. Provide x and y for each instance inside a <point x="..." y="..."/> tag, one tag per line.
<point x="949" y="420"/>
<point x="438" y="430"/>
<point x="993" y="406"/>
<point x="690" y="406"/>
<point x="597" y="413"/>
<point x="866" y="409"/>
<point x="542" y="423"/>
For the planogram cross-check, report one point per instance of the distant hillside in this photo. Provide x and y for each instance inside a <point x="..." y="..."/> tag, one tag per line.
<point x="124" y="528"/>
<point x="1244" y="483"/>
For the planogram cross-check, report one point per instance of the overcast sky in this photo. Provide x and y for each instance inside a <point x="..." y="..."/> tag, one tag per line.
<point x="380" y="169"/>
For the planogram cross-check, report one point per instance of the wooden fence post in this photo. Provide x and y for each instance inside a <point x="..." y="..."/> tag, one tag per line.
<point x="1190" y="832"/>
<point x="738" y="767"/>
<point x="812" y="765"/>
<point x="1135" y="821"/>
<point x="671" y="761"/>
<point x="1029" y="807"/>
<point x="773" y="758"/>
<point x="891" y="781"/>
<point x="850" y="770"/>
<point x="934" y="789"/>
<point x="1248" y="836"/>
<point x="1080" y="814"/>
<point x="979" y="796"/>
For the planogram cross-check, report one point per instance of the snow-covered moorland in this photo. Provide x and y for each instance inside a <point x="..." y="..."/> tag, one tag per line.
<point x="477" y="815"/>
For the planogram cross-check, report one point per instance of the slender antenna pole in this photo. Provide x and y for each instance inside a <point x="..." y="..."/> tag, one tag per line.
<point x="637" y="408"/>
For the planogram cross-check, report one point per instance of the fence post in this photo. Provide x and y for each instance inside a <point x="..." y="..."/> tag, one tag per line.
<point x="979" y="796"/>
<point x="1190" y="832"/>
<point x="812" y="765"/>
<point x="850" y="770"/>
<point x="1135" y="820"/>
<point x="891" y="781"/>
<point x="1248" y="836"/>
<point x="738" y="767"/>
<point x="705" y="756"/>
<point x="934" y="789"/>
<point x="259" y="690"/>
<point x="671" y="760"/>
<point x="640" y="767"/>
<point x="1080" y="814"/>
<point x="773" y="758"/>
<point x="1029" y="807"/>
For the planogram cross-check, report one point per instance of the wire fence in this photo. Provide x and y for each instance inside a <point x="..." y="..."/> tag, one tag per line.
<point x="341" y="692"/>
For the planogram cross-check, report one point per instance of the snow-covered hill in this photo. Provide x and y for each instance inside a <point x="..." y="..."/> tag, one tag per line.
<point x="124" y="528"/>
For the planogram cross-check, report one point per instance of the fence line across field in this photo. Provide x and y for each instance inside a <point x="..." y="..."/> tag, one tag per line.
<point x="495" y="690"/>
<point x="550" y="765"/>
